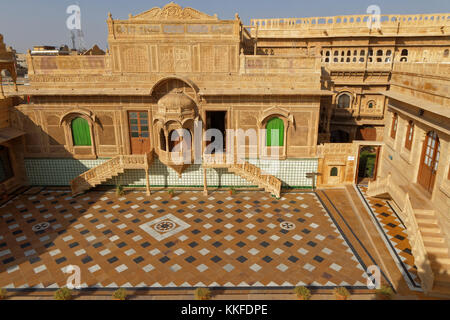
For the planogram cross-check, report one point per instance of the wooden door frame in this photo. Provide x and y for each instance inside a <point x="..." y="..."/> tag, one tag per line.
<point x="377" y="158"/>
<point x="432" y="181"/>
<point x="139" y="125"/>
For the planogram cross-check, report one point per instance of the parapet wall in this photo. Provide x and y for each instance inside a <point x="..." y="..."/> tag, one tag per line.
<point x="429" y="24"/>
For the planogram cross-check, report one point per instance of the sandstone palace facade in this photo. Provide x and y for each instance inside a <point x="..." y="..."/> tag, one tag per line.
<point x="335" y="93"/>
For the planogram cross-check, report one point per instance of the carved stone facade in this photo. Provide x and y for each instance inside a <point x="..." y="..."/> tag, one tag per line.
<point x="170" y="68"/>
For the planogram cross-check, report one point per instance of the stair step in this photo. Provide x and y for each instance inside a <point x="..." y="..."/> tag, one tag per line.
<point x="431" y="234"/>
<point x="425" y="212"/>
<point x="440" y="291"/>
<point x="429" y="230"/>
<point x="427" y="220"/>
<point x="437" y="251"/>
<point x="440" y="262"/>
<point x="436" y="239"/>
<point x="441" y="272"/>
<point x="434" y="243"/>
<point x="427" y="224"/>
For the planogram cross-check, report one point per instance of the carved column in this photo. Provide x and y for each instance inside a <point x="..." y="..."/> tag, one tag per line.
<point x="205" y="183"/>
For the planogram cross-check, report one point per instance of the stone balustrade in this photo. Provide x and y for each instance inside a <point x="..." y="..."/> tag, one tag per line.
<point x="279" y="64"/>
<point x="403" y="201"/>
<point x="108" y="169"/>
<point x="350" y="21"/>
<point x="77" y="64"/>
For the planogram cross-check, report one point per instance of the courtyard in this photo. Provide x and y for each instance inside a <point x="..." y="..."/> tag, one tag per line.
<point x="248" y="240"/>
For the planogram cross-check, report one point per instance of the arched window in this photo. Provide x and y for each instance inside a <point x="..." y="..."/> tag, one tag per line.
<point x="446" y="53"/>
<point x="343" y="101"/>
<point x="379" y="53"/>
<point x="404" y="53"/>
<point x="174" y="139"/>
<point x="409" y="135"/>
<point x="162" y="140"/>
<point x="81" y="133"/>
<point x="371" y="104"/>
<point x="394" y="125"/>
<point x="334" y="172"/>
<point x="275" y="133"/>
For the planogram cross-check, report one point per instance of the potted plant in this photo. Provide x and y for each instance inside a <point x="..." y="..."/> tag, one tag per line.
<point x="120" y="294"/>
<point x="171" y="193"/>
<point x="232" y="191"/>
<point x="302" y="293"/>
<point x="341" y="293"/>
<point x="202" y="294"/>
<point x="63" y="294"/>
<point x="119" y="190"/>
<point x="3" y="294"/>
<point x="384" y="293"/>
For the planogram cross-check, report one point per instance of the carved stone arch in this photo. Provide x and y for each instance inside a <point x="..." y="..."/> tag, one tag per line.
<point x="66" y="121"/>
<point x="274" y="111"/>
<point x="157" y="91"/>
<point x="71" y="114"/>
<point x="352" y="95"/>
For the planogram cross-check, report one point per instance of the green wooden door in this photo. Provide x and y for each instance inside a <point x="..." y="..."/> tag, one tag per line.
<point x="275" y="133"/>
<point x="81" y="133"/>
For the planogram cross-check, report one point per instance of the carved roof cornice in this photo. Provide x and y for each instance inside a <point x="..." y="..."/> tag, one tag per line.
<point x="173" y="11"/>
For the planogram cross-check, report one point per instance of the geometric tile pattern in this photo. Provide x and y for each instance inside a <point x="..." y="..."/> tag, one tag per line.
<point x="394" y="231"/>
<point x="226" y="241"/>
<point x="59" y="172"/>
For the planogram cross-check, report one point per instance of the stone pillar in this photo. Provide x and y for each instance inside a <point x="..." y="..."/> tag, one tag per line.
<point x="147" y="177"/>
<point x="205" y="183"/>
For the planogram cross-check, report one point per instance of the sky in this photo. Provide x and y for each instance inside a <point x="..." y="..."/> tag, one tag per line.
<point x="26" y="23"/>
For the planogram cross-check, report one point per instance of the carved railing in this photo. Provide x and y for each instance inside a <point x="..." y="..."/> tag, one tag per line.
<point x="109" y="169"/>
<point x="379" y="186"/>
<point x="350" y="21"/>
<point x="278" y="64"/>
<point x="403" y="200"/>
<point x="68" y="64"/>
<point x="254" y="174"/>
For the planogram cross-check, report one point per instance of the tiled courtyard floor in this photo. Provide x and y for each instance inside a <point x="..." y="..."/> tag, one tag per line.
<point x="246" y="240"/>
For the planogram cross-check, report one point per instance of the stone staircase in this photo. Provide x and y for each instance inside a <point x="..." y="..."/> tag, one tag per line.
<point x="428" y="243"/>
<point x="251" y="173"/>
<point x="437" y="250"/>
<point x="109" y="169"/>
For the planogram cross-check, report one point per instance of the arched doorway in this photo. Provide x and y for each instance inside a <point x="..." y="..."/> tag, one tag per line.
<point x="275" y="132"/>
<point x="429" y="161"/>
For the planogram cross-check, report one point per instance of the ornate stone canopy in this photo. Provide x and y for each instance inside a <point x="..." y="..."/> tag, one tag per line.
<point x="173" y="11"/>
<point x="176" y="106"/>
